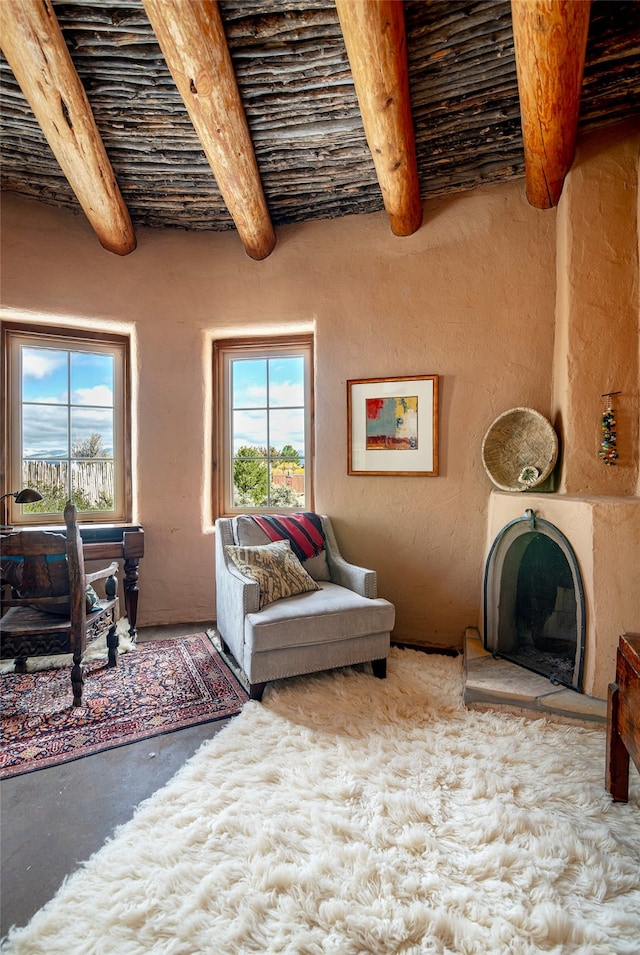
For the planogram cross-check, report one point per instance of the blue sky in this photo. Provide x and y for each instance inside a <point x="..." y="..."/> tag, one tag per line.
<point x="64" y="391"/>
<point x="268" y="399"/>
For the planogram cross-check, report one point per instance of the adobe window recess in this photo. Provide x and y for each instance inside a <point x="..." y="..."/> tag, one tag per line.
<point x="68" y="423"/>
<point x="264" y="438"/>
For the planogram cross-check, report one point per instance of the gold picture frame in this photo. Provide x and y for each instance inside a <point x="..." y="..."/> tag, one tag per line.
<point x="392" y="426"/>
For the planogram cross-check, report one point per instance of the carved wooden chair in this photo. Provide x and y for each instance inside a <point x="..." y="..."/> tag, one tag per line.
<point x="52" y="607"/>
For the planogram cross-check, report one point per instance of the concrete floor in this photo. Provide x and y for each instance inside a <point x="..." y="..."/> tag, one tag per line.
<point x="54" y="819"/>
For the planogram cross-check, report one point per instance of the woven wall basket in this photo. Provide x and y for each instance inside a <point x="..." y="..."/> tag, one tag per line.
<point x="519" y="450"/>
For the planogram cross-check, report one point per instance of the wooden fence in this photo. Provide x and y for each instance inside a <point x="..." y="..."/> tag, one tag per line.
<point x="93" y="479"/>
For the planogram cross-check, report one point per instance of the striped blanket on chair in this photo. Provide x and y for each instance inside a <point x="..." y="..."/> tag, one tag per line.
<point x="303" y="531"/>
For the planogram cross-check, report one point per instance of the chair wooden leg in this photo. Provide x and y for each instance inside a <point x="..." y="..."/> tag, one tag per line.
<point x="256" y="690"/>
<point x="20" y="665"/>
<point x="77" y="682"/>
<point x="379" y="668"/>
<point x="112" y="645"/>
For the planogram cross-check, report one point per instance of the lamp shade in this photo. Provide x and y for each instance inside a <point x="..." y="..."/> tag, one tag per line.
<point x="27" y="495"/>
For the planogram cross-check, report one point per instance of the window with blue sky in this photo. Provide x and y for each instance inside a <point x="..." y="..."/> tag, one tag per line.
<point x="67" y="397"/>
<point x="266" y="428"/>
<point x="68" y="422"/>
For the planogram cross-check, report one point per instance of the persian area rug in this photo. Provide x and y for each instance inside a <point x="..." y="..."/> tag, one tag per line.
<point x="163" y="685"/>
<point x="348" y="815"/>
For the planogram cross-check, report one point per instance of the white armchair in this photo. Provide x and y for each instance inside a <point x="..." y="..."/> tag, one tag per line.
<point x="340" y="623"/>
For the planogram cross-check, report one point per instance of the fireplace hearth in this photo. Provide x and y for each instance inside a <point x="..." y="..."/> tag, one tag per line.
<point x="534" y="611"/>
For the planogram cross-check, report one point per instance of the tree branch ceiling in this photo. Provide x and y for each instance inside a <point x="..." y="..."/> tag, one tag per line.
<point x="249" y="114"/>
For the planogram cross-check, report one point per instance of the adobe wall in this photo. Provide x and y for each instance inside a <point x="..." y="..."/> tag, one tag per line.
<point x="597" y="315"/>
<point x="470" y="297"/>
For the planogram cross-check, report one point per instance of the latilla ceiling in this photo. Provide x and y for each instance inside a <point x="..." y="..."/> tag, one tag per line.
<point x="201" y="115"/>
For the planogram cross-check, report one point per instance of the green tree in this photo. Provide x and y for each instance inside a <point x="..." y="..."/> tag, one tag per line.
<point x="55" y="497"/>
<point x="250" y="475"/>
<point x="289" y="453"/>
<point x="283" y="496"/>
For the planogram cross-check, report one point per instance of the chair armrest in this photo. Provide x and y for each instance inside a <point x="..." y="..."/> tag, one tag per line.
<point x="360" y="580"/>
<point x="236" y="595"/>
<point x="109" y="571"/>
<point x="244" y="592"/>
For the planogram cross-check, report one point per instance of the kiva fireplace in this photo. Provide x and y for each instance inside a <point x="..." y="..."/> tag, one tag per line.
<point x="534" y="609"/>
<point x="599" y="539"/>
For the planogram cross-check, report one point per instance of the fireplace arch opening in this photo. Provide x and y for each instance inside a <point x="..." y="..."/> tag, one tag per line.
<point x="534" y="601"/>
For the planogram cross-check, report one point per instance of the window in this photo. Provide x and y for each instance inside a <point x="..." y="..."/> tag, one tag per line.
<point x="68" y="423"/>
<point x="264" y="425"/>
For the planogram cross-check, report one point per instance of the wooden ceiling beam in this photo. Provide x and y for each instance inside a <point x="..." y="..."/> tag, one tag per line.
<point x="33" y="44"/>
<point x="375" y="38"/>
<point x="550" y="40"/>
<point x="193" y="43"/>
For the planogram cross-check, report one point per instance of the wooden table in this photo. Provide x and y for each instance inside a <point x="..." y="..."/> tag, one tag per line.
<point x="118" y="542"/>
<point x="623" y="718"/>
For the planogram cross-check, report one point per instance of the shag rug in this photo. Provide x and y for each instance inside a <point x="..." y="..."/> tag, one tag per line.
<point x="163" y="685"/>
<point x="348" y="815"/>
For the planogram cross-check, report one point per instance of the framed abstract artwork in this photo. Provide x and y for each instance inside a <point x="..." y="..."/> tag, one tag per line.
<point x="393" y="426"/>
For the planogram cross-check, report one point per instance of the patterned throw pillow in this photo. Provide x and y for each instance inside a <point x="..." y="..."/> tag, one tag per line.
<point x="248" y="533"/>
<point x="276" y="569"/>
<point x="93" y="601"/>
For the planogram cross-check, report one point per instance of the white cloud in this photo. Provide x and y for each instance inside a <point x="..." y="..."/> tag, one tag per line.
<point x="100" y="395"/>
<point x="281" y="394"/>
<point x="285" y="428"/>
<point x="40" y="364"/>
<point x="289" y="394"/>
<point x="45" y="428"/>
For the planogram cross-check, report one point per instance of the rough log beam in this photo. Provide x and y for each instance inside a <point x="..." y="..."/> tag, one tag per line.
<point x="33" y="44"/>
<point x="374" y="35"/>
<point x="550" y="40"/>
<point x="193" y="43"/>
